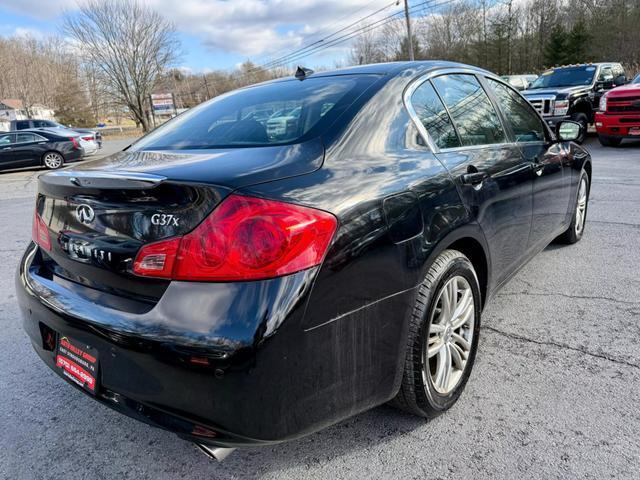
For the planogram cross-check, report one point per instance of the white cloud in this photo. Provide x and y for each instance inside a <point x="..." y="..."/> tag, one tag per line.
<point x="246" y="27"/>
<point x="41" y="9"/>
<point x="258" y="27"/>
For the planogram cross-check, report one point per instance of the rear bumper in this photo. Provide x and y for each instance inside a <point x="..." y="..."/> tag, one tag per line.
<point x="75" y="155"/>
<point x="259" y="376"/>
<point x="616" y="125"/>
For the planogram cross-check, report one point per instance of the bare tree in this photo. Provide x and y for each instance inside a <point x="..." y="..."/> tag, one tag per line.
<point x="129" y="43"/>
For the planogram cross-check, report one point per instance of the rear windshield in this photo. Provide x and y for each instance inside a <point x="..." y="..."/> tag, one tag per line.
<point x="565" y="77"/>
<point x="272" y="114"/>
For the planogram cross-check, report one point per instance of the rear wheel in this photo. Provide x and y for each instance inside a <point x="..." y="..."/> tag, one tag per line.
<point x="574" y="233"/>
<point x="52" y="160"/>
<point x="583" y="120"/>
<point x="443" y="337"/>
<point x="609" y="141"/>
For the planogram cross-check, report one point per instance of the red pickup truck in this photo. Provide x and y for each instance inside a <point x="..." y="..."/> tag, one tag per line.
<point x="619" y="114"/>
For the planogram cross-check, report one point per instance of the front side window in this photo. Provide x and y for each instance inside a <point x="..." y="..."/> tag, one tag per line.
<point x="526" y="125"/>
<point x="471" y="110"/>
<point x="434" y="116"/>
<point x="40" y="124"/>
<point x="606" y="74"/>
<point x="272" y="114"/>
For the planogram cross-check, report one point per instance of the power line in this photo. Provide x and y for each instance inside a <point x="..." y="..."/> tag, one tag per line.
<point x="312" y="49"/>
<point x="275" y="61"/>
<point x="325" y="29"/>
<point x="350" y="35"/>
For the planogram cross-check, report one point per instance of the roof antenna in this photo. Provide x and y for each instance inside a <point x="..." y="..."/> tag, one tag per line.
<point x="302" y="73"/>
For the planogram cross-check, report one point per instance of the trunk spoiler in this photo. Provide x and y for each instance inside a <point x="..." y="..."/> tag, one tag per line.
<point x="100" y="180"/>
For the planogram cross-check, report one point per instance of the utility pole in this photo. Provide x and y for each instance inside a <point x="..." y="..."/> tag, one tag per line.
<point x="206" y="86"/>
<point x="409" y="37"/>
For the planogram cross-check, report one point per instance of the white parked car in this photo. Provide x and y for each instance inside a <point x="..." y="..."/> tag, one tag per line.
<point x="89" y="144"/>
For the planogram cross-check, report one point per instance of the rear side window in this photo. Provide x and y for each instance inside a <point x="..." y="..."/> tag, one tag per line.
<point x="471" y="110"/>
<point x="21" y="125"/>
<point x="25" y="138"/>
<point x="272" y="114"/>
<point x="5" y="139"/>
<point x="526" y="125"/>
<point x="434" y="116"/>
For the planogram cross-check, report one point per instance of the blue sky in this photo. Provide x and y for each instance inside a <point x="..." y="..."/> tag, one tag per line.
<point x="220" y="34"/>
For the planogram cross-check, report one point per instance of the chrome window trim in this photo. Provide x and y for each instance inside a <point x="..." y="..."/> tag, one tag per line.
<point x="417" y="82"/>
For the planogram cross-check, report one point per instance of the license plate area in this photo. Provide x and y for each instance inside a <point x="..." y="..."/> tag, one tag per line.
<point x="78" y="363"/>
<point x="635" y="131"/>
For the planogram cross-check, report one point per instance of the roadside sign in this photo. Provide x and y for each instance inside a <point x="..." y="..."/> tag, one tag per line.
<point x="162" y="102"/>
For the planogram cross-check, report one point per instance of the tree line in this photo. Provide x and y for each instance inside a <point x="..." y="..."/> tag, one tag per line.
<point x="511" y="37"/>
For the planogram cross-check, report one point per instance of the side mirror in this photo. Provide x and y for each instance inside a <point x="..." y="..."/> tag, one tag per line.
<point x="619" y="80"/>
<point x="568" y="131"/>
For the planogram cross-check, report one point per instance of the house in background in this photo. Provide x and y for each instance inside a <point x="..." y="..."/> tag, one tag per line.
<point x="13" y="109"/>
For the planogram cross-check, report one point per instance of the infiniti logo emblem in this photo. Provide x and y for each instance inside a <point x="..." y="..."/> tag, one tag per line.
<point x="85" y="214"/>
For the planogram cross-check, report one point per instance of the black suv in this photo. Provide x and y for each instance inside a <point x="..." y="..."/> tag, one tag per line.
<point x="573" y="92"/>
<point x="36" y="123"/>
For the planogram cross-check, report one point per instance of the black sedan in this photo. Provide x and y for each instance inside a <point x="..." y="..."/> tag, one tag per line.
<point x="38" y="148"/>
<point x="242" y="285"/>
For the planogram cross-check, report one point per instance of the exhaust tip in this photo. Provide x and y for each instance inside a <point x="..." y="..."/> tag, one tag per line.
<point x="216" y="453"/>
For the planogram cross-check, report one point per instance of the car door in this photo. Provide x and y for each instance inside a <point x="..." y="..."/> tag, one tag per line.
<point x="494" y="181"/>
<point x="551" y="182"/>
<point x="27" y="150"/>
<point x="6" y="150"/>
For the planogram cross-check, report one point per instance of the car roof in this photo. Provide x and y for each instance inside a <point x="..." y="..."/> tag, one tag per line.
<point x="60" y="132"/>
<point x="388" y="69"/>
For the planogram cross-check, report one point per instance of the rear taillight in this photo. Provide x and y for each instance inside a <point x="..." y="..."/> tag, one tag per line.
<point x="88" y="139"/>
<point x="74" y="140"/>
<point x="245" y="238"/>
<point x="40" y="232"/>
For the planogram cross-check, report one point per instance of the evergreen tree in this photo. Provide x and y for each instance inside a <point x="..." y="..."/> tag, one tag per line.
<point x="555" y="52"/>
<point x="577" y="43"/>
<point x="403" y="52"/>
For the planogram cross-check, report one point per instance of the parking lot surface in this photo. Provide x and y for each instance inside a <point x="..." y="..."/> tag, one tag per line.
<point x="555" y="392"/>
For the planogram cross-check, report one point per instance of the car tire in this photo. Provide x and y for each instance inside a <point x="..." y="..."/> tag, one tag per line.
<point x="583" y="120"/>
<point x="52" y="160"/>
<point x="574" y="233"/>
<point x="425" y="390"/>
<point x="609" y="141"/>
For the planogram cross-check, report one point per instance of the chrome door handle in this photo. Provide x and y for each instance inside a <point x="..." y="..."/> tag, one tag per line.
<point x="7" y="148"/>
<point x="538" y="169"/>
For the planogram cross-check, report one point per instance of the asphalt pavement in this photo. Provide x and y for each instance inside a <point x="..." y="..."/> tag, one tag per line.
<point x="555" y="392"/>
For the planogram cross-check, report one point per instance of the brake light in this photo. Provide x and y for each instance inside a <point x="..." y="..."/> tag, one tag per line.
<point x="40" y="232"/>
<point x="245" y="238"/>
<point x="88" y="139"/>
<point x="74" y="140"/>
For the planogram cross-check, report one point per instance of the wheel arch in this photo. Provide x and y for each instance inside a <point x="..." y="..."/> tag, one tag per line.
<point x="470" y="241"/>
<point x="587" y="168"/>
<point x="583" y="106"/>
<point x="51" y="150"/>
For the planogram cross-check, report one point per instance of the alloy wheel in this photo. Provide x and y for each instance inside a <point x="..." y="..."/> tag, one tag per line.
<point x="52" y="160"/>
<point x="581" y="207"/>
<point x="450" y="335"/>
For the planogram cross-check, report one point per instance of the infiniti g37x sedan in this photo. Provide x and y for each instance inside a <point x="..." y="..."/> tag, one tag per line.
<point x="238" y="285"/>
